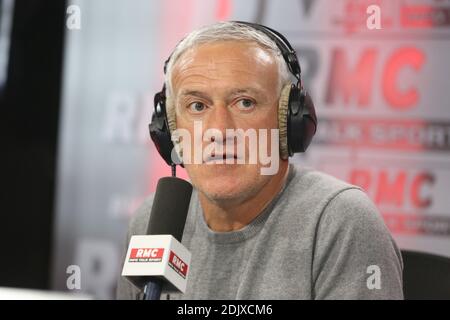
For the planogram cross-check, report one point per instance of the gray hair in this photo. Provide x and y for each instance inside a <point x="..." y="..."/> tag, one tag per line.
<point x="225" y="31"/>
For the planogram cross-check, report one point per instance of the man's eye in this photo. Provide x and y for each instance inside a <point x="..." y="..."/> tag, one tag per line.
<point x="197" y="107"/>
<point x="245" y="104"/>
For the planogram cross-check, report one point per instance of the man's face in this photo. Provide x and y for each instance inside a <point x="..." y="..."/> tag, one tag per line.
<point x="227" y="85"/>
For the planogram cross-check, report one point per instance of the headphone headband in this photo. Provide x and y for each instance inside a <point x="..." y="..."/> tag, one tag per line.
<point x="288" y="53"/>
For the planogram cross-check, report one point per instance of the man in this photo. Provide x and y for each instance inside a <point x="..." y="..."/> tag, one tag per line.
<point x="292" y="234"/>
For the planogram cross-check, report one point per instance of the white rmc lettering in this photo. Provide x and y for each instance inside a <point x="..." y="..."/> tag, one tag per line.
<point x="178" y="263"/>
<point x="147" y="253"/>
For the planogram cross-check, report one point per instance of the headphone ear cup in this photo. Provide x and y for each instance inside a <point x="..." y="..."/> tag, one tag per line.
<point x="283" y="105"/>
<point x="302" y="121"/>
<point x="309" y="119"/>
<point x="159" y="129"/>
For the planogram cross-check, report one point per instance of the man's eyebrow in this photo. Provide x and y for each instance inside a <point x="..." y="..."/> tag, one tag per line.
<point x="230" y="93"/>
<point x="258" y="94"/>
<point x="233" y="91"/>
<point x="245" y="90"/>
<point x="193" y="93"/>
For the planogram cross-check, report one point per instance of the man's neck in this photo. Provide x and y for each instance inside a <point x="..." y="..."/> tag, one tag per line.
<point x="235" y="217"/>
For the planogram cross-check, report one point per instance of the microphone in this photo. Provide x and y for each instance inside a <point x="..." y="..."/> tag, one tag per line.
<point x="159" y="258"/>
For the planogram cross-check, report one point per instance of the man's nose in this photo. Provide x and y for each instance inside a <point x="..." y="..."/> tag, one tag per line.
<point x="220" y="119"/>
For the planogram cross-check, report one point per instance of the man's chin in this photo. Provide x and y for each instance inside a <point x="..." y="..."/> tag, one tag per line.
<point x="224" y="196"/>
<point x="225" y="186"/>
<point x="228" y="188"/>
<point x="225" y="181"/>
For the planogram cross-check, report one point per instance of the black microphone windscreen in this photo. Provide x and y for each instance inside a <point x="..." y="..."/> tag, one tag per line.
<point x="170" y="207"/>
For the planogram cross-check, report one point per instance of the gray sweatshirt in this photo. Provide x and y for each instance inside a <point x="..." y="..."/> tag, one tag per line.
<point x="319" y="238"/>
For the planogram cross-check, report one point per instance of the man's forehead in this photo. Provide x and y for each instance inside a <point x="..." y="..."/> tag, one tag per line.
<point x="226" y="67"/>
<point x="209" y="55"/>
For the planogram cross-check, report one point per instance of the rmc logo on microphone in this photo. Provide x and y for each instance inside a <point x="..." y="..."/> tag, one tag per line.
<point x="146" y="255"/>
<point x="178" y="265"/>
<point x="160" y="256"/>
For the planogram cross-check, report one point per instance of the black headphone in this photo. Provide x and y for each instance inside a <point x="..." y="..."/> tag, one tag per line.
<point x="300" y="117"/>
